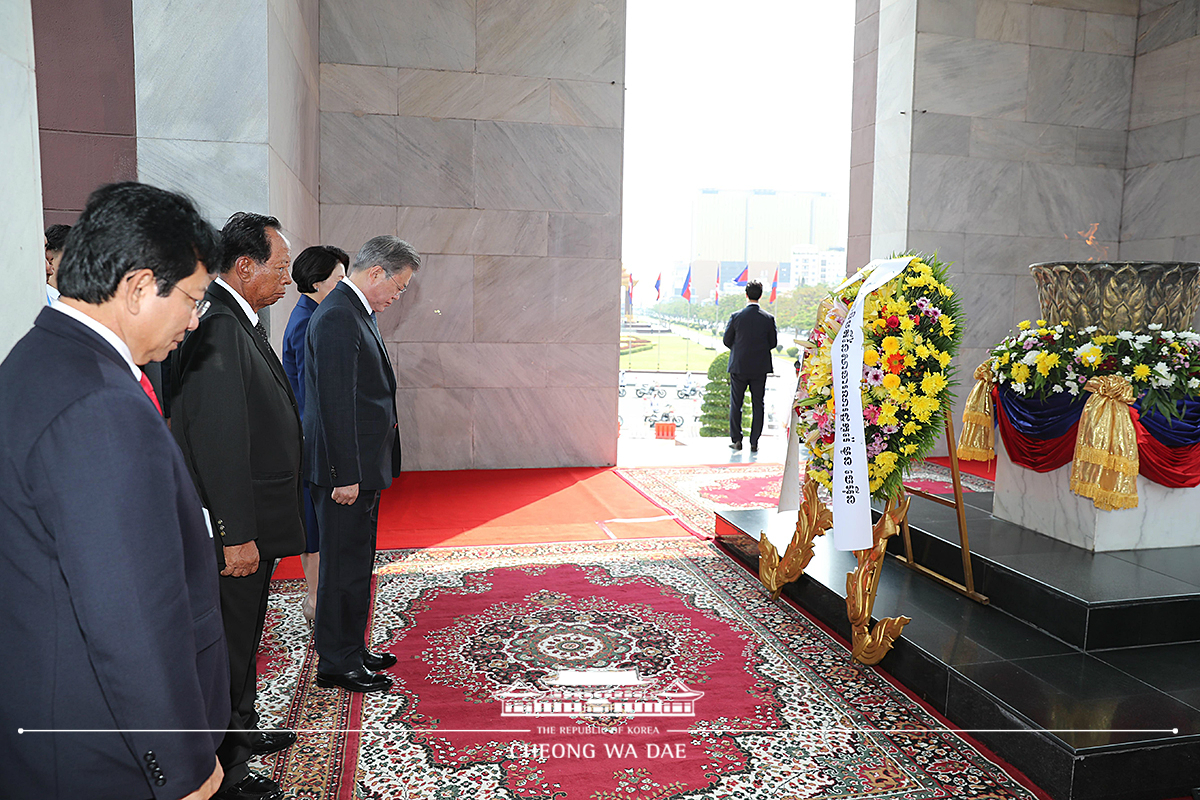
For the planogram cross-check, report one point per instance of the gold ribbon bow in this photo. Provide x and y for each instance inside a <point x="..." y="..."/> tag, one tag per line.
<point x="1105" y="467"/>
<point x="976" y="441"/>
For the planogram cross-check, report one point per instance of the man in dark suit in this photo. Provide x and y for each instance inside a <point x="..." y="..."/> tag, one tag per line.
<point x="237" y="422"/>
<point x="352" y="453"/>
<point x="109" y="611"/>
<point x="750" y="336"/>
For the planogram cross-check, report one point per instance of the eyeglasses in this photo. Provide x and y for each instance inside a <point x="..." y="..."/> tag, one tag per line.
<point x="402" y="289"/>
<point x="201" y="304"/>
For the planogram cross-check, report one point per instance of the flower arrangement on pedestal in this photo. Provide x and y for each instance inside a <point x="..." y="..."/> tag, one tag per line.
<point x="912" y="329"/>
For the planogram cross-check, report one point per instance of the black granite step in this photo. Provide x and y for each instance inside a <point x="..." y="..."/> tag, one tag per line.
<point x="1060" y="715"/>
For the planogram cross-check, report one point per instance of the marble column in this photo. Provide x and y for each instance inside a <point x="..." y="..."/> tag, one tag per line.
<point x="22" y="271"/>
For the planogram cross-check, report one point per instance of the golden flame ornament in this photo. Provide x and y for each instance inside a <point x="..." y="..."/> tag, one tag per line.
<point x="870" y="646"/>
<point x="777" y="571"/>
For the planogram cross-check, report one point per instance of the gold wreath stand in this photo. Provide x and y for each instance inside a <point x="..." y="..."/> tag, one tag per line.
<point x="968" y="586"/>
<point x="868" y="646"/>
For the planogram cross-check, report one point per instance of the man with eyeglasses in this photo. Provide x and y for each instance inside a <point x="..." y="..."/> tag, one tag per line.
<point x="352" y="453"/>
<point x="113" y="653"/>
<point x="238" y="424"/>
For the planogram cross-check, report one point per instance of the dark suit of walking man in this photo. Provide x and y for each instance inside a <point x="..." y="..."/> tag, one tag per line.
<point x="352" y="453"/>
<point x="238" y="425"/>
<point x="109" y="613"/>
<point x="750" y="336"/>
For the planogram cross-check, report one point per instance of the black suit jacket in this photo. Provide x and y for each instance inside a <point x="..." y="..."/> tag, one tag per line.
<point x="751" y="336"/>
<point x="109" y="610"/>
<point x="236" y="420"/>
<point x="350" y="433"/>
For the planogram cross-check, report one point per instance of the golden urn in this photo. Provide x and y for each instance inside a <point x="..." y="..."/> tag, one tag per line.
<point x="1119" y="295"/>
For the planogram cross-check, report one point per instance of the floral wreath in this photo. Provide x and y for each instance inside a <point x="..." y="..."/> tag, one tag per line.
<point x="912" y="329"/>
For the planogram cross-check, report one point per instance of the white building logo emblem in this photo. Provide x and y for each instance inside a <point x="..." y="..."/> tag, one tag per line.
<point x="598" y="693"/>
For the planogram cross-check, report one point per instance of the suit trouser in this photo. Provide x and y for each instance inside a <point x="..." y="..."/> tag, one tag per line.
<point x="758" y="390"/>
<point x="243" y="609"/>
<point x="344" y="585"/>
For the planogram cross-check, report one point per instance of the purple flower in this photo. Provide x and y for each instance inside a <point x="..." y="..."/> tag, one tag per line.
<point x="923" y="304"/>
<point x="873" y="376"/>
<point x="933" y="312"/>
<point x="1030" y="343"/>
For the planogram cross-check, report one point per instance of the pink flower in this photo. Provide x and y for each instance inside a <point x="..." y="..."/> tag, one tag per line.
<point x="873" y="376"/>
<point x="923" y="303"/>
<point x="871" y="414"/>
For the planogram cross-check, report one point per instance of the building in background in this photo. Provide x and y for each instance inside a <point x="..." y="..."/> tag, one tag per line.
<point x="812" y="267"/>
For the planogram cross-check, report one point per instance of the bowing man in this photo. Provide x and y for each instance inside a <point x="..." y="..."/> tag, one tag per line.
<point x="352" y="453"/>
<point x="237" y="422"/>
<point x="109" y="609"/>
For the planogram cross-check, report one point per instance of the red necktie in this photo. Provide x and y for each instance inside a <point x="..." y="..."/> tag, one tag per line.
<point x="149" y="390"/>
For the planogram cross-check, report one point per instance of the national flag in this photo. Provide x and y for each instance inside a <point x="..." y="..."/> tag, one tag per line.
<point x="686" y="294"/>
<point x="658" y="287"/>
<point x="744" y="277"/>
<point x="717" y="289"/>
<point x="774" y="285"/>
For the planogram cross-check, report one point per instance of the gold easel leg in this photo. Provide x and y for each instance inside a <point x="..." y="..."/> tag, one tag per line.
<point x="775" y="571"/>
<point x="870" y="646"/>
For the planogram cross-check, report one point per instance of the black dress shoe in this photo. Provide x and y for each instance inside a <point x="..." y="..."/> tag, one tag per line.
<point x="356" y="680"/>
<point x="263" y="743"/>
<point x="735" y="446"/>
<point x="378" y="661"/>
<point x="753" y="448"/>
<point x="251" y="787"/>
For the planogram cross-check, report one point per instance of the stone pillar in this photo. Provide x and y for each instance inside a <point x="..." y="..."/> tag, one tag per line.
<point x="22" y="270"/>
<point x="489" y="135"/>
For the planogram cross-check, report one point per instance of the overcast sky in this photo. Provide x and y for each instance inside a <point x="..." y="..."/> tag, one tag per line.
<point x="753" y="94"/>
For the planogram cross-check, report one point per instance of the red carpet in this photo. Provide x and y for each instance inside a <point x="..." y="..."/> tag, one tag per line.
<point x="510" y="506"/>
<point x="980" y="469"/>
<point x="747" y="698"/>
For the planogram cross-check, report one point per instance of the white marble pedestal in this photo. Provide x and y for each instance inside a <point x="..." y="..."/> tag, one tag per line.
<point x="1044" y="502"/>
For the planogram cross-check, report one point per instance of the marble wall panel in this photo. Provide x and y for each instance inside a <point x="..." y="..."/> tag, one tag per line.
<point x="436" y="428"/>
<point x="358" y="89"/>
<point x="20" y="173"/>
<point x="573" y="39"/>
<point x="191" y="84"/>
<point x="1162" y="142"/>
<point x="597" y="105"/>
<point x="469" y="95"/>
<point x="1191" y="137"/>
<point x="1090" y="90"/>
<point x="866" y="35"/>
<point x="474" y="231"/>
<point x="429" y="34"/>
<point x="349" y="227"/>
<point x="1022" y="141"/>
<point x="418" y="365"/>
<point x="950" y="17"/>
<point x="1100" y="148"/>
<point x="292" y="105"/>
<point x="436" y="162"/>
<point x="1025" y="301"/>
<point x="438" y="306"/>
<point x="858" y="252"/>
<point x="584" y="236"/>
<point x="548" y="168"/>
<point x="864" y="9"/>
<point x="861" y="189"/>
<point x="946" y="134"/>
<point x="1164" y="26"/>
<point x="988" y="307"/>
<point x="897" y="22"/>
<point x="1058" y="27"/>
<point x="862" y="103"/>
<point x="222" y="177"/>
<point x="1111" y="33"/>
<point x="1160" y="200"/>
<point x="862" y="146"/>
<point x="81" y="163"/>
<point x="1128" y="8"/>
<point x="1148" y="250"/>
<point x="971" y="195"/>
<point x="299" y="20"/>
<point x="521" y="299"/>
<point x="492" y="365"/>
<point x="1159" y="85"/>
<point x="971" y="77"/>
<point x="583" y="365"/>
<point x="1012" y="255"/>
<point x="1002" y="21"/>
<point x="1059" y="200"/>
<point x="360" y="160"/>
<point x="520" y="428"/>
<point x="890" y="180"/>
<point x="290" y="201"/>
<point x="950" y="247"/>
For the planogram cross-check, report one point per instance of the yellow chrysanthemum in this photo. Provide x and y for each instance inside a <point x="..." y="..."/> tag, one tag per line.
<point x="887" y="414"/>
<point x="923" y="407"/>
<point x="906" y="324"/>
<point x="947" y="325"/>
<point x="1024" y="324"/>
<point x="1046" y="362"/>
<point x="886" y="463"/>
<point x="891" y="381"/>
<point x="908" y="449"/>
<point x="943" y="359"/>
<point x="910" y="428"/>
<point x="1020" y="372"/>
<point x="890" y="344"/>
<point x="1141" y="372"/>
<point x="933" y="383"/>
<point x="870" y="357"/>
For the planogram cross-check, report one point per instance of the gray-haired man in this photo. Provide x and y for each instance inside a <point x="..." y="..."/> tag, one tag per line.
<point x="352" y="453"/>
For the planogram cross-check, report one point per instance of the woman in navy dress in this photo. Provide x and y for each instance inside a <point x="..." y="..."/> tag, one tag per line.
<point x="316" y="271"/>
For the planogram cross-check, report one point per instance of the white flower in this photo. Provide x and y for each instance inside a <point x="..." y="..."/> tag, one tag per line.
<point x="1154" y="326"/>
<point x="1073" y="389"/>
<point x="1162" y="369"/>
<point x="1141" y="340"/>
<point x="1126" y="360"/>
<point x="1019" y="388"/>
<point x="1126" y="335"/>
<point x="1194" y="383"/>
<point x="1030" y="357"/>
<point x="1168" y="335"/>
<point x="1091" y="329"/>
<point x="1056" y="389"/>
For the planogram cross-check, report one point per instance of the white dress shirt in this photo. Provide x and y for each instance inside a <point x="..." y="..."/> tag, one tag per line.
<point x="361" y="297"/>
<point x="105" y="333"/>
<point x="250" y="312"/>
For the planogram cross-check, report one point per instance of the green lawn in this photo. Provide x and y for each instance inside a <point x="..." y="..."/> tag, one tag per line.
<point x="670" y="353"/>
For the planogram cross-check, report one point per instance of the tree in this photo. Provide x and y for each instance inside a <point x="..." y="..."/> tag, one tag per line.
<point x="714" y="408"/>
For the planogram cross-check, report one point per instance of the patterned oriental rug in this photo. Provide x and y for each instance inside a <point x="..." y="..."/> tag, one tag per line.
<point x="695" y="493"/>
<point x="740" y="697"/>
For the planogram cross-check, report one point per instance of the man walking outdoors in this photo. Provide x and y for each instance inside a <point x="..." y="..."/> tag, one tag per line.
<point x="352" y="453"/>
<point x="750" y="336"/>
<point x="237" y="422"/>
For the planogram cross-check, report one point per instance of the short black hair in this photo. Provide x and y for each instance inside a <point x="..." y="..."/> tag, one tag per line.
<point x="56" y="237"/>
<point x="316" y="264"/>
<point x="754" y="290"/>
<point x="130" y="226"/>
<point x="245" y="234"/>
